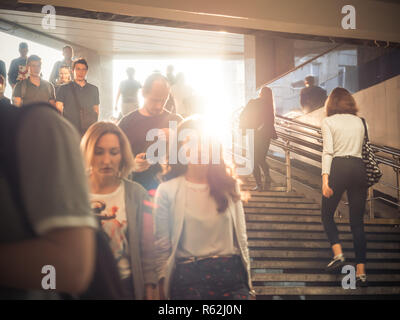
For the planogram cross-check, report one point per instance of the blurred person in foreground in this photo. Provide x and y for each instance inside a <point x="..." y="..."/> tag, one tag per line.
<point x="46" y="216"/>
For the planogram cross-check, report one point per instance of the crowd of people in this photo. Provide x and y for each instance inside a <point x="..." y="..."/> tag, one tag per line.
<point x="174" y="230"/>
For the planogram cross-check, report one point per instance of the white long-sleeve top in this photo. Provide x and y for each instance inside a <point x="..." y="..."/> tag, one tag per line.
<point x="343" y="135"/>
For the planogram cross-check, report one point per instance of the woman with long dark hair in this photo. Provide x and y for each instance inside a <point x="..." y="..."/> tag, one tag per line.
<point x="343" y="170"/>
<point x="201" y="238"/>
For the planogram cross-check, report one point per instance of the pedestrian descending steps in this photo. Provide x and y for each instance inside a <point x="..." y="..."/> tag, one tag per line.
<point x="289" y="250"/>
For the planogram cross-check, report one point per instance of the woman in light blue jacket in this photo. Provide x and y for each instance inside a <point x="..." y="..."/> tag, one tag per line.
<point x="201" y="240"/>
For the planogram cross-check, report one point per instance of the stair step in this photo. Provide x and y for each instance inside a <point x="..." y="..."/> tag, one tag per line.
<point x="275" y="194"/>
<point x="300" y="277"/>
<point x="313" y="219"/>
<point x="287" y="205"/>
<point x="260" y="264"/>
<point x="316" y="212"/>
<point x="297" y="254"/>
<point x="249" y="187"/>
<point x="259" y="224"/>
<point x="253" y="200"/>
<point x="290" y="235"/>
<point x="326" y="291"/>
<point x="317" y="244"/>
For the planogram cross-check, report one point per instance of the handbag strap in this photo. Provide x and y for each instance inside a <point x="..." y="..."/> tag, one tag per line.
<point x="365" y="127"/>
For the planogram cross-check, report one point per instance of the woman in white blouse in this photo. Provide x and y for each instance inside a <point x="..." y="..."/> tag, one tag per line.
<point x="201" y="238"/>
<point x="343" y="170"/>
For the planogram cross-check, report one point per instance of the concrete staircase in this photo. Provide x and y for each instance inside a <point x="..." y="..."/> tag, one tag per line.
<point x="289" y="250"/>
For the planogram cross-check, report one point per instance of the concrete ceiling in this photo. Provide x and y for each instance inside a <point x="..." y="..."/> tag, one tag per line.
<point x="126" y="39"/>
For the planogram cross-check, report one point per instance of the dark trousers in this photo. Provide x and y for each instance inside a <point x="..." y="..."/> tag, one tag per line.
<point x="210" y="279"/>
<point x="347" y="174"/>
<point x="261" y="147"/>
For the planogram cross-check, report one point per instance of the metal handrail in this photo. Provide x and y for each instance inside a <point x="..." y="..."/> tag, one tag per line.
<point x="300" y="66"/>
<point x="291" y="131"/>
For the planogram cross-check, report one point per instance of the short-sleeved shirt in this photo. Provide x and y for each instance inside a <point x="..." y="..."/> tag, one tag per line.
<point x="18" y="70"/>
<point x="53" y="187"/>
<point x="32" y="93"/>
<point x="129" y="90"/>
<point x="88" y="96"/>
<point x="135" y="126"/>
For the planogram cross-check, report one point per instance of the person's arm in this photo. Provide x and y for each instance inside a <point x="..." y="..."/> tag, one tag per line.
<point x="147" y="246"/>
<point x="162" y="236"/>
<point x="243" y="235"/>
<point x="116" y="101"/>
<point x="52" y="99"/>
<point x="60" y="106"/>
<point x="12" y="73"/>
<point x="16" y="95"/>
<point x="17" y="101"/>
<point x="60" y="99"/>
<point x="54" y="73"/>
<point x="69" y="250"/>
<point x="3" y="71"/>
<point x="96" y="107"/>
<point x="58" y="211"/>
<point x="327" y="156"/>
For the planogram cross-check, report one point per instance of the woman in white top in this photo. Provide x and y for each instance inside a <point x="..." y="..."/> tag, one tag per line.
<point x="201" y="240"/>
<point x="123" y="206"/>
<point x="343" y="170"/>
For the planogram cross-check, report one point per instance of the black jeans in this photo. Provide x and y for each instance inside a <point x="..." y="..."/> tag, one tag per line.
<point x="347" y="174"/>
<point x="261" y="147"/>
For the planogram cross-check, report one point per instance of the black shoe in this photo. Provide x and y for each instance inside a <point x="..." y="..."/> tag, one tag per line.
<point x="336" y="264"/>
<point x="361" y="281"/>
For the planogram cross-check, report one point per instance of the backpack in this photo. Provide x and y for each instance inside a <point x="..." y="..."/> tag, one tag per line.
<point x="105" y="283"/>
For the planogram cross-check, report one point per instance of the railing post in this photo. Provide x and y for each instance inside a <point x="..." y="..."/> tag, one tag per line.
<point x="397" y="160"/>
<point x="371" y="203"/>
<point x="288" y="169"/>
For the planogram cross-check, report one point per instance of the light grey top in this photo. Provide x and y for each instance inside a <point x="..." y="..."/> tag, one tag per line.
<point x="205" y="231"/>
<point x="343" y="135"/>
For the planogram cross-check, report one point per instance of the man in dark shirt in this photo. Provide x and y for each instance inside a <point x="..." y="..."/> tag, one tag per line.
<point x="128" y="89"/>
<point x="3" y="71"/>
<point x="79" y="100"/>
<point x="18" y="70"/>
<point x="33" y="89"/>
<point x="311" y="97"/>
<point x="137" y="124"/>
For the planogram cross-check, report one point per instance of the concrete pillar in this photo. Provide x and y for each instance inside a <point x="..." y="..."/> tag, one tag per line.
<point x="265" y="59"/>
<point x="106" y="87"/>
<point x="249" y="67"/>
